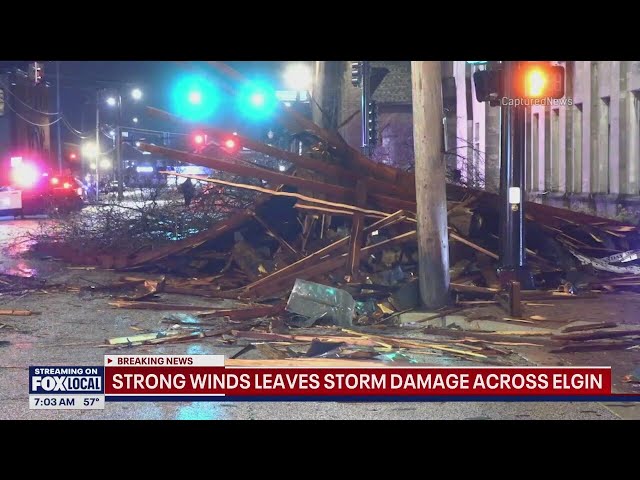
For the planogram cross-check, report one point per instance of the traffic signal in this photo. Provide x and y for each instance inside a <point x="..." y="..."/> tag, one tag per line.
<point x="356" y="74"/>
<point x="36" y="72"/>
<point x="195" y="98"/>
<point x="372" y="123"/>
<point x="231" y="144"/>
<point x="257" y="100"/>
<point x="199" y="140"/>
<point x="530" y="81"/>
<point x="539" y="80"/>
<point x="488" y="85"/>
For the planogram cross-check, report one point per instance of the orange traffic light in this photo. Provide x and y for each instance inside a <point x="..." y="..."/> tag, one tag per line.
<point x="539" y="80"/>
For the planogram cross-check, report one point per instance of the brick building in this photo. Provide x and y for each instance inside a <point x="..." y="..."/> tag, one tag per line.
<point x="24" y="129"/>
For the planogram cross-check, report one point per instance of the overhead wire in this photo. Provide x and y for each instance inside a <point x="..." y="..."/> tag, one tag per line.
<point x="8" y="90"/>
<point x="31" y="122"/>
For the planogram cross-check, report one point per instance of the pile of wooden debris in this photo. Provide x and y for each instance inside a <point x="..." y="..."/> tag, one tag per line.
<point x="339" y="231"/>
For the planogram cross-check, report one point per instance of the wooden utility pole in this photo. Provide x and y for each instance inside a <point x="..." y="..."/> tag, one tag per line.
<point x="431" y="198"/>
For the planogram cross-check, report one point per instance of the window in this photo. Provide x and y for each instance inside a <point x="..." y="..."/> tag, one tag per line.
<point x="1" y="102"/>
<point x="576" y="172"/>
<point x="552" y="172"/>
<point x="535" y="151"/>
<point x="600" y="168"/>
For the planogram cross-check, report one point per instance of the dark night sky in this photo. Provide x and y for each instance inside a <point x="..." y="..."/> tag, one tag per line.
<point x="79" y="80"/>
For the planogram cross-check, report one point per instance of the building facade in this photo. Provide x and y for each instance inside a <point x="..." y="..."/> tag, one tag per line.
<point x="24" y="124"/>
<point x="582" y="152"/>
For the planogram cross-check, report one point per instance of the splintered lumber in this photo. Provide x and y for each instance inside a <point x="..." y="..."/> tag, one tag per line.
<point x="323" y="252"/>
<point x="469" y="243"/>
<point x="153" y="338"/>
<point x="248" y="170"/>
<point x="280" y="193"/>
<point x="458" y="287"/>
<point x="233" y="314"/>
<point x="594" y="347"/>
<point x="357" y="224"/>
<point x="283" y="243"/>
<point x="305" y="362"/>
<point x="588" y="326"/>
<point x="302" y="161"/>
<point x="275" y="337"/>
<point x="229" y="225"/>
<point x="158" y="306"/>
<point x="575" y="337"/>
<point x="21" y="313"/>
<point x="326" y="266"/>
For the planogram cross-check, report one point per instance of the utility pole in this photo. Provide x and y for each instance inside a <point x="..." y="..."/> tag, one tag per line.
<point x="431" y="199"/>
<point x="119" y="148"/>
<point x="97" y="146"/>
<point x="59" y="109"/>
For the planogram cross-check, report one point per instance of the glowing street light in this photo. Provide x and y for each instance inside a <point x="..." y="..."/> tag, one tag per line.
<point x="89" y="150"/>
<point x="111" y="101"/>
<point x="298" y="77"/>
<point x="134" y="119"/>
<point x="138" y="144"/>
<point x="136" y="94"/>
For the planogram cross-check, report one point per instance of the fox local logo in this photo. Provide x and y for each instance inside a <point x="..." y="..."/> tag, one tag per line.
<point x="66" y="379"/>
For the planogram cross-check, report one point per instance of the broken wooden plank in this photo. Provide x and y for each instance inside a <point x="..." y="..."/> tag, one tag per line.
<point x="588" y="326"/>
<point x="469" y="243"/>
<point x="283" y="243"/>
<point x="458" y="287"/>
<point x="234" y="314"/>
<point x="357" y="225"/>
<point x="20" y="313"/>
<point x="304" y="362"/>
<point x="593" y="347"/>
<point x="153" y="338"/>
<point x="270" y="351"/>
<point x="314" y="257"/>
<point x="575" y="337"/>
<point x="230" y="224"/>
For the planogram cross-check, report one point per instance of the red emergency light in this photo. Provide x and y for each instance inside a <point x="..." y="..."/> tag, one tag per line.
<point x="24" y="175"/>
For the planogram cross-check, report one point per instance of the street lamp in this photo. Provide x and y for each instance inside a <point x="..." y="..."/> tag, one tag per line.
<point x="298" y="77"/>
<point x="89" y="150"/>
<point x="134" y="119"/>
<point x="116" y="101"/>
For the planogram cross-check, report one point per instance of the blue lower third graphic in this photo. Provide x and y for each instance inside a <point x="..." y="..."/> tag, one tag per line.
<point x="65" y="387"/>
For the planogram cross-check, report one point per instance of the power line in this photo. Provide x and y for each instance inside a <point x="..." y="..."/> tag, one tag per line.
<point x="8" y="90"/>
<point x="29" y="121"/>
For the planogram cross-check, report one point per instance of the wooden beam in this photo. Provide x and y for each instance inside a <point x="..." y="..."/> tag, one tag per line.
<point x="275" y="235"/>
<point x="357" y="224"/>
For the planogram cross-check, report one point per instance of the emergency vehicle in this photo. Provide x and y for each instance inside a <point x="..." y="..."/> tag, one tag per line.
<point x="31" y="191"/>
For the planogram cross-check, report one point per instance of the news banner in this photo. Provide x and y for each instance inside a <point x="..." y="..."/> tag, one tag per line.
<point x="179" y="378"/>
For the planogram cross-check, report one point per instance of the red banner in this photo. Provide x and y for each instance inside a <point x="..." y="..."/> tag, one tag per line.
<point x="356" y="382"/>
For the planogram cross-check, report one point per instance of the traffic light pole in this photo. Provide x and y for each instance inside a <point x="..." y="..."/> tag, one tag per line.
<point x="364" y="106"/>
<point x="512" y="263"/>
<point x="119" y="149"/>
